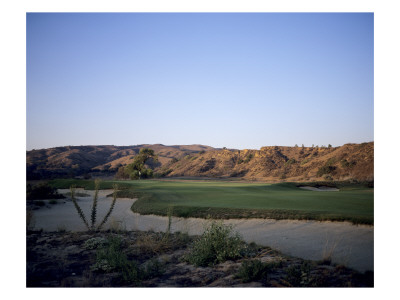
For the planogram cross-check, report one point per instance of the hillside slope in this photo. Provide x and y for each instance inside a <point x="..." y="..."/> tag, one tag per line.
<point x="272" y="163"/>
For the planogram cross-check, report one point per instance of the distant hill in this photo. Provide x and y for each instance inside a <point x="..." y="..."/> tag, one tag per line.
<point x="272" y="163"/>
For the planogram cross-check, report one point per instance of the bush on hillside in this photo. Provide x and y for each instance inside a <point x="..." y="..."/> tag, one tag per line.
<point x="325" y="170"/>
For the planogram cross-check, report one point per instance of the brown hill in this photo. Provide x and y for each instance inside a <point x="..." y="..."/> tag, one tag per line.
<point x="273" y="163"/>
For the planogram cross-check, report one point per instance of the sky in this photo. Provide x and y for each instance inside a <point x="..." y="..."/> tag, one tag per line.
<point x="235" y="80"/>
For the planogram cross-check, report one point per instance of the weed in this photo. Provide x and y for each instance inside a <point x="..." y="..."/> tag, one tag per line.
<point x="217" y="244"/>
<point x="149" y="245"/>
<point x="61" y="228"/>
<point x="328" y="251"/>
<point x="116" y="226"/>
<point x="169" y="214"/>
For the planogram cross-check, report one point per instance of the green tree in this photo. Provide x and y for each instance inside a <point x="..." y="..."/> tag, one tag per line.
<point x="137" y="170"/>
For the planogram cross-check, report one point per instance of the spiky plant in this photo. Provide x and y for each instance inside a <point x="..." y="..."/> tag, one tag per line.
<point x="94" y="206"/>
<point x="115" y="188"/>
<point x="78" y="208"/>
<point x="169" y="214"/>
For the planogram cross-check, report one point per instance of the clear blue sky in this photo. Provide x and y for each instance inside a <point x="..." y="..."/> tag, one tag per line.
<point x="233" y="80"/>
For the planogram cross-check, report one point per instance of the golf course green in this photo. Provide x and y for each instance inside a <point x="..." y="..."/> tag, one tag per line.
<point x="224" y="199"/>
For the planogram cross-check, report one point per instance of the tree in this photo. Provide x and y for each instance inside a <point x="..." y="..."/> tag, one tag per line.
<point x="329" y="146"/>
<point x="136" y="170"/>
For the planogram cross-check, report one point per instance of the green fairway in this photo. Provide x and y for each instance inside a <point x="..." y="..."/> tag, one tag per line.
<point x="219" y="199"/>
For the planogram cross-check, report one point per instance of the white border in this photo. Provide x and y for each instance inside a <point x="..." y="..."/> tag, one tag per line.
<point x="13" y="122"/>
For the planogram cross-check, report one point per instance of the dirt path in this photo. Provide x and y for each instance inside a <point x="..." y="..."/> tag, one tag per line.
<point x="351" y="245"/>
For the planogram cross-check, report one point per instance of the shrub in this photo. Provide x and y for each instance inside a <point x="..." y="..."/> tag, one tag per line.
<point x="290" y="161"/>
<point x="304" y="161"/>
<point x="111" y="258"/>
<point x="299" y="275"/>
<point x="42" y="191"/>
<point x="248" y="158"/>
<point x="347" y="164"/>
<point x="325" y="170"/>
<point x="217" y="244"/>
<point x="94" y="243"/>
<point x="331" y="161"/>
<point x="252" y="270"/>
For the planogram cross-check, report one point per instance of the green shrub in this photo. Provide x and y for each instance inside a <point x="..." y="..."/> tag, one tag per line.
<point x="42" y="191"/>
<point x="217" y="244"/>
<point x="248" y="158"/>
<point x="325" y="170"/>
<point x="331" y="161"/>
<point x="94" y="243"/>
<point x="299" y="275"/>
<point x="305" y="161"/>
<point x="347" y="164"/>
<point x="290" y="161"/>
<point x="111" y="258"/>
<point x="162" y="173"/>
<point x="252" y="270"/>
<point x="153" y="268"/>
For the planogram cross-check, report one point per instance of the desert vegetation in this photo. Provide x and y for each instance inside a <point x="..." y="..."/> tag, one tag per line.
<point x="150" y="259"/>
<point x="218" y="257"/>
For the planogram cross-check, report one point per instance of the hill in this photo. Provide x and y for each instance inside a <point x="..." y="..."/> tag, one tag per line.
<point x="272" y="163"/>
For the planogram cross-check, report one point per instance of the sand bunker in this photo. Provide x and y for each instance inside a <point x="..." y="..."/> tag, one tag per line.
<point x="319" y="189"/>
<point x="351" y="245"/>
